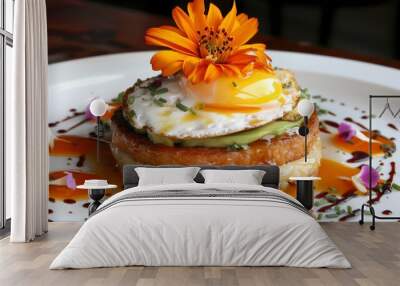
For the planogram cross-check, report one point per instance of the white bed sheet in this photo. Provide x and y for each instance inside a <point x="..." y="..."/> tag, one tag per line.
<point x="200" y="232"/>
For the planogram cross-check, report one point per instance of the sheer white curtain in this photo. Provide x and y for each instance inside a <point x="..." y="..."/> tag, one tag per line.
<point x="26" y="123"/>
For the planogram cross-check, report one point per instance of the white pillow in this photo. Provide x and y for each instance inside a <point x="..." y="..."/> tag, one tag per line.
<point x="164" y="176"/>
<point x="248" y="177"/>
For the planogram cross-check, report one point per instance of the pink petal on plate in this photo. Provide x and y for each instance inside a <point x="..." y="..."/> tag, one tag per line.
<point x="365" y="175"/>
<point x="346" y="131"/>
<point x="71" y="183"/>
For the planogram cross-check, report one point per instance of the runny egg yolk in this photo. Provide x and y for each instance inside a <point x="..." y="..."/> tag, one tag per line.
<point x="240" y="94"/>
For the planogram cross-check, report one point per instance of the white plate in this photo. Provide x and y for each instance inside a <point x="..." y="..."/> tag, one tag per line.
<point x="73" y="84"/>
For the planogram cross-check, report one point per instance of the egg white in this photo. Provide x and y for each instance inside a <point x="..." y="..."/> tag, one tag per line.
<point x="167" y="119"/>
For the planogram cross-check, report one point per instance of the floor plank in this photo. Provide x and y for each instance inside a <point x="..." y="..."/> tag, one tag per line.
<point x="375" y="257"/>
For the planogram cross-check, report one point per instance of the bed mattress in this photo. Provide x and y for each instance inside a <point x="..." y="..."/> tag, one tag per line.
<point x="201" y="225"/>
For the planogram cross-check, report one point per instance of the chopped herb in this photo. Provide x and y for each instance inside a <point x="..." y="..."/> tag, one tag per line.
<point x="159" y="101"/>
<point x="396" y="187"/>
<point x="304" y="94"/>
<point x="181" y="106"/>
<point x="119" y="98"/>
<point x="331" y="215"/>
<point x="349" y="210"/>
<point x="234" y="84"/>
<point x="159" y="91"/>
<point x="321" y="111"/>
<point x="237" y="147"/>
<point x="331" y="198"/>
<point x="339" y="211"/>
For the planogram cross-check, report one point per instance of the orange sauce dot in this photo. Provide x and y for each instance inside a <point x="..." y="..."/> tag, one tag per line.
<point x="333" y="176"/>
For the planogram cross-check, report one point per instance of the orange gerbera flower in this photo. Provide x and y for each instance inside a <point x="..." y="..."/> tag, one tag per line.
<point x="206" y="47"/>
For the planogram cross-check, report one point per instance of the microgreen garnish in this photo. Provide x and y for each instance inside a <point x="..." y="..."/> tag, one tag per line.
<point x="304" y="93"/>
<point x="184" y="108"/>
<point x="287" y="84"/>
<point x="321" y="111"/>
<point x="237" y="147"/>
<point x="119" y="98"/>
<point x="349" y="210"/>
<point x="396" y="187"/>
<point x="331" y="215"/>
<point x="159" y="101"/>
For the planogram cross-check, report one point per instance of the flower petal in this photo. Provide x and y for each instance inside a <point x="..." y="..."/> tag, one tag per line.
<point x="164" y="58"/>
<point x="169" y="62"/>
<point x="198" y="72"/>
<point x="170" y="39"/>
<point x="184" y="23"/>
<point x="228" y="22"/>
<point x="172" y="68"/>
<point x="365" y="175"/>
<point x="214" y="17"/>
<point x="241" y="59"/>
<point x="189" y="65"/>
<point x="346" y="131"/>
<point x="70" y="181"/>
<point x="245" y="32"/>
<point x="212" y="73"/>
<point x="231" y="70"/>
<point x="173" y="29"/>
<point x="196" y="12"/>
<point x="242" y="17"/>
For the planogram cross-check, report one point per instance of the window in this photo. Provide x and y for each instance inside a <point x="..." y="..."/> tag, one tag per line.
<point x="6" y="43"/>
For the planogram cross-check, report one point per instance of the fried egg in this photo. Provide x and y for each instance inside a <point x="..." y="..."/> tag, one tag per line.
<point x="176" y="108"/>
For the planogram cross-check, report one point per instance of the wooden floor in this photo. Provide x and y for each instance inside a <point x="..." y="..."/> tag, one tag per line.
<point x="375" y="257"/>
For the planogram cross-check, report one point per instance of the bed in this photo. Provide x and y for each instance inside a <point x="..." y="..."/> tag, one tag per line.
<point x="198" y="224"/>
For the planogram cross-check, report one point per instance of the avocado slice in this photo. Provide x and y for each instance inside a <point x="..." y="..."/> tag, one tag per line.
<point x="241" y="138"/>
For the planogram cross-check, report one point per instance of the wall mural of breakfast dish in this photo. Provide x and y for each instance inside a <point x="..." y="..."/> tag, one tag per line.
<point x="219" y="101"/>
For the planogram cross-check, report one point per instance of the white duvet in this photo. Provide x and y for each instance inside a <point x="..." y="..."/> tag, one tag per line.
<point x="192" y="231"/>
